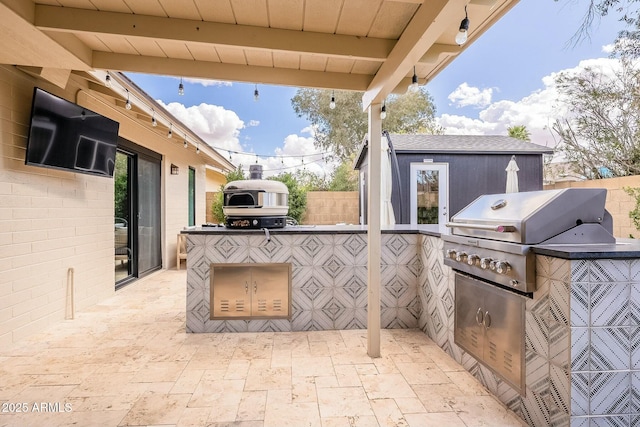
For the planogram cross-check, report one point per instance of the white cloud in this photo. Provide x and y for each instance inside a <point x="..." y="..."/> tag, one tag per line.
<point x="466" y="96"/>
<point x="217" y="126"/>
<point x="206" y="82"/>
<point x="537" y="111"/>
<point x="253" y="123"/>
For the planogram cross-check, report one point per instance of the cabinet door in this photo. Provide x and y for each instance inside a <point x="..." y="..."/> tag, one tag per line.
<point x="230" y="292"/>
<point x="469" y="315"/>
<point x="504" y="334"/>
<point x="270" y="287"/>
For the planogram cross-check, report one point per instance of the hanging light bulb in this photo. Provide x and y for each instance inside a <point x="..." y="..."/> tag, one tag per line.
<point x="198" y="148"/>
<point x="230" y="157"/>
<point x="414" y="81"/>
<point x="332" y="104"/>
<point x="107" y="80"/>
<point x="180" y="88"/>
<point x="461" y="37"/>
<point x="256" y="94"/>
<point x="170" y="133"/>
<point x="185" y="145"/>
<point x="154" y="122"/>
<point x="383" y="111"/>
<point x="128" y="104"/>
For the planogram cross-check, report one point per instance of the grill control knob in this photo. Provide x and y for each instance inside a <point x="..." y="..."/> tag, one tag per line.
<point x="461" y="256"/>
<point x="473" y="259"/>
<point x="502" y="267"/>
<point x="485" y="263"/>
<point x="451" y="253"/>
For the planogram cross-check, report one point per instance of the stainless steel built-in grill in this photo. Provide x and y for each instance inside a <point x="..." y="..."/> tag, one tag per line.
<point x="491" y="237"/>
<point x="490" y="250"/>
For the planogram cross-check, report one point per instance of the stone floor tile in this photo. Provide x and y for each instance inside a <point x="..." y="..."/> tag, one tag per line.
<point x="343" y="401"/>
<point x="129" y="361"/>
<point x="152" y="409"/>
<point x="386" y="386"/>
<point x="388" y="413"/>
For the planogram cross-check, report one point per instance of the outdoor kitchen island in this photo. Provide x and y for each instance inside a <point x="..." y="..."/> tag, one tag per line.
<point x="582" y="333"/>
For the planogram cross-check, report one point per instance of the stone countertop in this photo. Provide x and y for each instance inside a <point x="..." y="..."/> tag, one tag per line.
<point x="431" y="230"/>
<point x="622" y="249"/>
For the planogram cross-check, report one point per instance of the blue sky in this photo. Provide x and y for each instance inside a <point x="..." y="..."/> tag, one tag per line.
<point x="503" y="79"/>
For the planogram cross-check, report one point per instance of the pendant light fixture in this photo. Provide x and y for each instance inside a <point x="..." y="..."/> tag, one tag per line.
<point x="414" y="81"/>
<point x="180" y="88"/>
<point x="461" y="37"/>
<point x="127" y="105"/>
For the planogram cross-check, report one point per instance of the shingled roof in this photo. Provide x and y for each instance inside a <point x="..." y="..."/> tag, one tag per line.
<point x="465" y="143"/>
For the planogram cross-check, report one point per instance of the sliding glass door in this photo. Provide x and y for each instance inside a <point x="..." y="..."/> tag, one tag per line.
<point x="137" y="212"/>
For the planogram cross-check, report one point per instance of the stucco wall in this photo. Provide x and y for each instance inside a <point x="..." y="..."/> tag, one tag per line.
<point x="331" y="207"/>
<point x="54" y="222"/>
<point x="619" y="203"/>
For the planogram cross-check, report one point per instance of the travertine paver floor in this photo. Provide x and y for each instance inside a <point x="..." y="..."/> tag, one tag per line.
<point x="129" y="362"/>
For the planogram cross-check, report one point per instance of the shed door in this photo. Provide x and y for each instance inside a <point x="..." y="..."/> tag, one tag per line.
<point x="429" y="184"/>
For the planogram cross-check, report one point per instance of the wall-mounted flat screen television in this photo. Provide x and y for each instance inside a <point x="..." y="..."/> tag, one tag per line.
<point x="64" y="135"/>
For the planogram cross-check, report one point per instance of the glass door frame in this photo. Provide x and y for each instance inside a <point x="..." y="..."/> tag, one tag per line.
<point x="443" y="190"/>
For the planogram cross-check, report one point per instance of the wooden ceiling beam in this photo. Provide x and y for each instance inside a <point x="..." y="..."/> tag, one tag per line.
<point x="69" y="20"/>
<point x="230" y="72"/>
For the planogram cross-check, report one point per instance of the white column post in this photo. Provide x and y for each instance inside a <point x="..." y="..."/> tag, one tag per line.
<point x="374" y="238"/>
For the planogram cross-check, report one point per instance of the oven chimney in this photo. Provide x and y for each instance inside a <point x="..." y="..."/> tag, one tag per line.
<point x="255" y="171"/>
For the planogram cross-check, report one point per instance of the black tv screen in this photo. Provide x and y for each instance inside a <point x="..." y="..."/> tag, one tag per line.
<point x="64" y="135"/>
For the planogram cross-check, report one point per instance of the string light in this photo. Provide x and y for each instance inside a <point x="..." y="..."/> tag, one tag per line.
<point x="198" y="147"/>
<point x="256" y="94"/>
<point x="107" y="80"/>
<point x="383" y="111"/>
<point x="414" y="81"/>
<point x="170" y="133"/>
<point x="185" y="145"/>
<point x="180" y="88"/>
<point x="461" y="37"/>
<point x="332" y="104"/>
<point x="128" y="104"/>
<point x="154" y="122"/>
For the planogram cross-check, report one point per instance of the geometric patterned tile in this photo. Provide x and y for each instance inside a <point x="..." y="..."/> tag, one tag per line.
<point x="579" y="349"/>
<point x="559" y="298"/>
<point x="536" y="335"/>
<point x="609" y="304"/>
<point x="535" y="410"/>
<point x="611" y="421"/>
<point x="635" y="392"/>
<point x="610" y="393"/>
<point x="580" y="393"/>
<point x="634" y="304"/>
<point x="579" y="271"/>
<point x="609" y="270"/>
<point x="635" y="348"/>
<point x="560" y="345"/>
<point x="579" y="305"/>
<point x="560" y="388"/>
<point x="610" y="349"/>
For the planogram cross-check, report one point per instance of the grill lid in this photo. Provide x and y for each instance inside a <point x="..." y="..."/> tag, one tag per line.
<point x="532" y="217"/>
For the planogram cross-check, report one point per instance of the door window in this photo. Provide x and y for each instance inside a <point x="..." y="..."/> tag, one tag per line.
<point x="429" y="193"/>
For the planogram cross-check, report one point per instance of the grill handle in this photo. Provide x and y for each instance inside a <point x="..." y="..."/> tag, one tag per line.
<point x="498" y="228"/>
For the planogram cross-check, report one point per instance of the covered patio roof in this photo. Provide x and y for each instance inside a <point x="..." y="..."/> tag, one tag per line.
<point x="363" y="45"/>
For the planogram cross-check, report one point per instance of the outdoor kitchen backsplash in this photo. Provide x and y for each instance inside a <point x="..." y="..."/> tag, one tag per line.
<point x="329" y="279"/>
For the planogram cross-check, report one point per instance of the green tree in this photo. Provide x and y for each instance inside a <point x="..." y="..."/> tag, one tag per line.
<point x="218" y="203"/>
<point x="344" y="177"/>
<point x="341" y="130"/>
<point x="519" y="132"/>
<point x="628" y="41"/>
<point x="297" y="195"/>
<point x="600" y="135"/>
